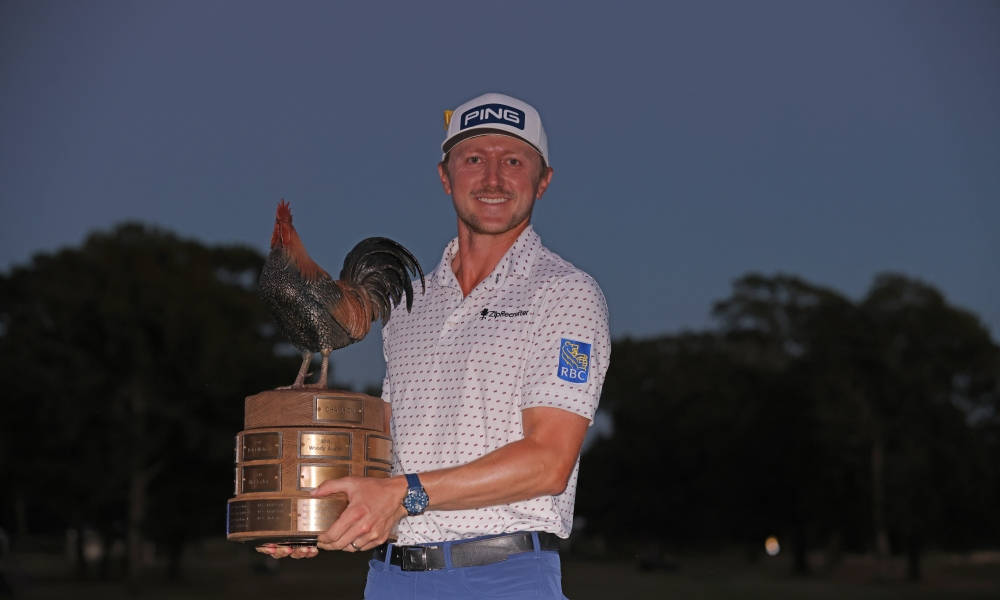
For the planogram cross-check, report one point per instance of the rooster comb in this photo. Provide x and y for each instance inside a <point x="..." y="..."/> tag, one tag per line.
<point x="284" y="212"/>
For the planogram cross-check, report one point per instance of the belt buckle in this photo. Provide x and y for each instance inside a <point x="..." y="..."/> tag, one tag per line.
<point x="414" y="558"/>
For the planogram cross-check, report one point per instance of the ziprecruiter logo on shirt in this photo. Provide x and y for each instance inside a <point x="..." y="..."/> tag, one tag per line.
<point x="501" y="314"/>
<point x="574" y="361"/>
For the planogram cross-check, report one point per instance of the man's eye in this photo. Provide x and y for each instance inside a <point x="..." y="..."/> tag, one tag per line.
<point x="514" y="161"/>
<point x="473" y="160"/>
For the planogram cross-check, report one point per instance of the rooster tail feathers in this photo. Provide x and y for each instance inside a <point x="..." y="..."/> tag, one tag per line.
<point x="384" y="269"/>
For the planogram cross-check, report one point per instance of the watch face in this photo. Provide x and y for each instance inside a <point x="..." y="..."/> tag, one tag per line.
<point x="415" y="501"/>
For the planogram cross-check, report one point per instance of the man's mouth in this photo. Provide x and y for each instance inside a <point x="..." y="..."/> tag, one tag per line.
<point x="494" y="196"/>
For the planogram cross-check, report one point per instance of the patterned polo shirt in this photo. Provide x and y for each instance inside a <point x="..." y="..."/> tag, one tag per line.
<point x="459" y="371"/>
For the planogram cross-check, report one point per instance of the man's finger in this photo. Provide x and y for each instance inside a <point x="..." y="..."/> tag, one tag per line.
<point x="276" y="551"/>
<point x="331" y="486"/>
<point x="339" y="534"/>
<point x="304" y="552"/>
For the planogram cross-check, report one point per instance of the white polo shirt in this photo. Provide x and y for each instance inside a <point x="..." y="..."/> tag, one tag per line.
<point x="459" y="371"/>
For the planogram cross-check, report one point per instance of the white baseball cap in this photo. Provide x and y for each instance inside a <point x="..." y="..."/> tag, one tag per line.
<point x="495" y="113"/>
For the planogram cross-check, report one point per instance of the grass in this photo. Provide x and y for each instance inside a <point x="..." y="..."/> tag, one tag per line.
<point x="219" y="569"/>
<point x="721" y="577"/>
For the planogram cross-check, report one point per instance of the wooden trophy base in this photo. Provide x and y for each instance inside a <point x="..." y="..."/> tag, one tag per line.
<point x="295" y="440"/>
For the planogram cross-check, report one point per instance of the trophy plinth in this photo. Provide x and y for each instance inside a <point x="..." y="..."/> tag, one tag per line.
<point x="292" y="442"/>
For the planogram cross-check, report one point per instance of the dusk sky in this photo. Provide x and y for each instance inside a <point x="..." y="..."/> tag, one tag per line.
<point x="692" y="141"/>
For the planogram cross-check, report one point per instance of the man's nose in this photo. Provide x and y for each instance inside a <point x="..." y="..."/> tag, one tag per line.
<point x="491" y="174"/>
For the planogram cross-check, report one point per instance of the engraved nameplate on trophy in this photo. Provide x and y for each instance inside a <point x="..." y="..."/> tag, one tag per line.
<point x="327" y="445"/>
<point x="310" y="476"/>
<point x="261" y="446"/>
<point x="260" y="478"/>
<point x="379" y="449"/>
<point x="331" y="409"/>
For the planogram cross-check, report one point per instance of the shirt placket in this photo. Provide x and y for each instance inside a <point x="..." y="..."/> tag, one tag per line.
<point x="468" y="307"/>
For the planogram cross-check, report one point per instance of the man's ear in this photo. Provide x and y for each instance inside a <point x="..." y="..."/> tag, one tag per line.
<point x="543" y="182"/>
<point x="445" y="180"/>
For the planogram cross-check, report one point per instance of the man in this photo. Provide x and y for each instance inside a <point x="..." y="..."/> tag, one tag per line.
<point x="491" y="382"/>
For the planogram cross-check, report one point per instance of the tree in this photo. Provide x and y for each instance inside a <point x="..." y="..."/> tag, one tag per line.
<point x="932" y="376"/>
<point x="901" y="374"/>
<point x="869" y="425"/>
<point x="678" y="471"/>
<point x="128" y="358"/>
<point x="802" y="337"/>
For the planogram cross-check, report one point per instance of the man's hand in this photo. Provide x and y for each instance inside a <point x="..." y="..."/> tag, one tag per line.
<point x="276" y="551"/>
<point x="374" y="506"/>
<point x="373" y="509"/>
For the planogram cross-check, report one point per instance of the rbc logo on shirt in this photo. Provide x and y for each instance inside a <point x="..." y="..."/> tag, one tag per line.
<point x="493" y="113"/>
<point x="574" y="361"/>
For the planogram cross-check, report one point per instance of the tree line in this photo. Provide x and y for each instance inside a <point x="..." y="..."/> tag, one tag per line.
<point x="867" y="426"/>
<point x="848" y="426"/>
<point x="125" y="364"/>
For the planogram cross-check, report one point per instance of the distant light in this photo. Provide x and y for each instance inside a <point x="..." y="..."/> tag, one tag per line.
<point x="771" y="546"/>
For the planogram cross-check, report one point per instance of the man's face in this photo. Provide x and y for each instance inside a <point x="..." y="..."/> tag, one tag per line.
<point x="494" y="181"/>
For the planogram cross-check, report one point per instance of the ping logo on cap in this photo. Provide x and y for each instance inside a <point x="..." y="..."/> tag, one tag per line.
<point x="492" y="113"/>
<point x="574" y="361"/>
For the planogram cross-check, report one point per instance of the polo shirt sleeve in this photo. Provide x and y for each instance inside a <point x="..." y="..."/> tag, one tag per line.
<point x="571" y="347"/>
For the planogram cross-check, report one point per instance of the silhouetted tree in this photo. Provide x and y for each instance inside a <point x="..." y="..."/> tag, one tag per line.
<point x="867" y="424"/>
<point x="798" y="333"/>
<point x="933" y="375"/>
<point x="126" y="361"/>
<point x="674" y="473"/>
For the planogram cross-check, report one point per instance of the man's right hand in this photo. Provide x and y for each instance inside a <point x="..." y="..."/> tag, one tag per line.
<point x="276" y="551"/>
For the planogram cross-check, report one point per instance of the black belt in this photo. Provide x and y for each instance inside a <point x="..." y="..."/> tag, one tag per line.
<point x="465" y="554"/>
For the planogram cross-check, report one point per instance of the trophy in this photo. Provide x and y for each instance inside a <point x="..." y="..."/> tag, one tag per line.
<point x="297" y="437"/>
<point x="293" y="441"/>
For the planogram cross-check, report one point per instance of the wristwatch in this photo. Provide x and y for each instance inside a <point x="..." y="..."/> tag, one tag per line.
<point x="415" y="501"/>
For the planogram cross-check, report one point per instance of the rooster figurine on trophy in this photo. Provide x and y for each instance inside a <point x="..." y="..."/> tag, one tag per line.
<point x="296" y="437"/>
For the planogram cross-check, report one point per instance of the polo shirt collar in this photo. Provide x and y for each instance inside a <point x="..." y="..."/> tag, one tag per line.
<point x="516" y="262"/>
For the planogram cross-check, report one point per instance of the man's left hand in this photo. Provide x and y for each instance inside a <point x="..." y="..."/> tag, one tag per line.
<point x="374" y="506"/>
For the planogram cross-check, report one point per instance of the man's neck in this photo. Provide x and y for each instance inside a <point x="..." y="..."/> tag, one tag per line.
<point x="478" y="254"/>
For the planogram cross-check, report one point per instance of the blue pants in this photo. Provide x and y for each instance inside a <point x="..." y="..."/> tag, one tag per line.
<point x="527" y="575"/>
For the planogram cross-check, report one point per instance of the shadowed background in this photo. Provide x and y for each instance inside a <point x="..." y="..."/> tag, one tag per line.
<point x="693" y="143"/>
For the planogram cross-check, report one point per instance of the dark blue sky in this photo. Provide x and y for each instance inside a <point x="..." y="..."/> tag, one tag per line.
<point x="692" y="141"/>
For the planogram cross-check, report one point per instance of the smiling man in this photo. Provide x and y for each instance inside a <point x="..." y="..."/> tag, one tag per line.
<point x="491" y="382"/>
